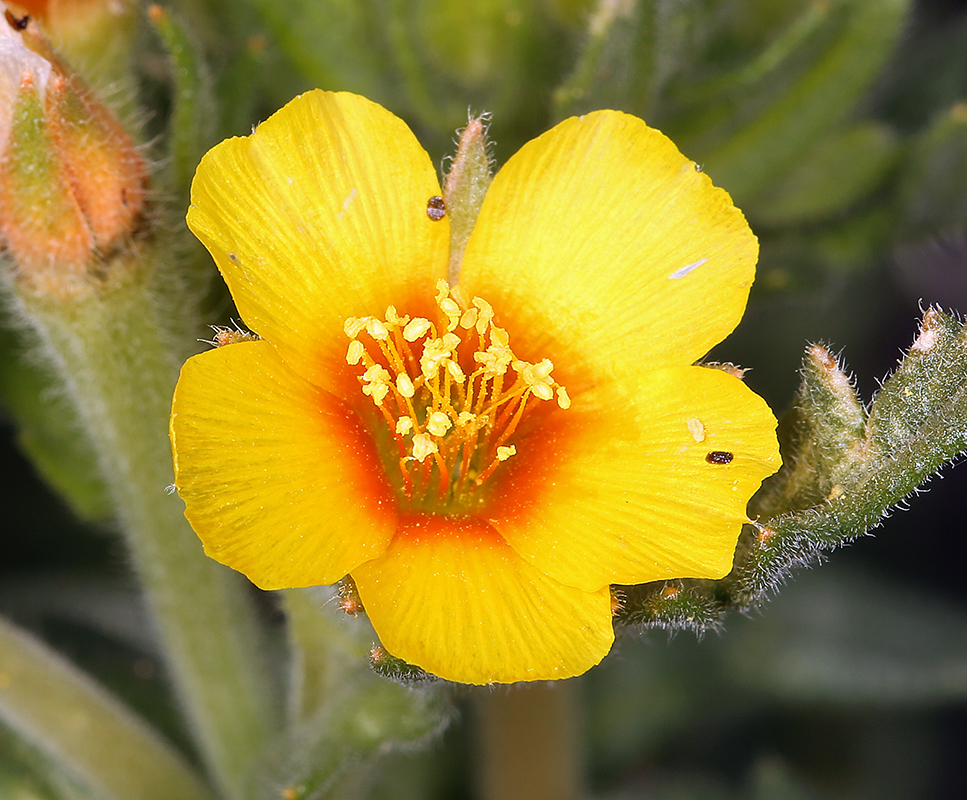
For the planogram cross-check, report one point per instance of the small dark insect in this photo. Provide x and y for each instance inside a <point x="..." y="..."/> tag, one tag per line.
<point x="17" y="23"/>
<point x="719" y="457"/>
<point x="436" y="209"/>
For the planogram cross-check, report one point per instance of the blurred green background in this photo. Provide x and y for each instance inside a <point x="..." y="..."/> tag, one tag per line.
<point x="840" y="128"/>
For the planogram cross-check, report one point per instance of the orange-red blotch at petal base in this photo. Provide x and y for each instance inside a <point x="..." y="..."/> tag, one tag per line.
<point x="451" y="596"/>
<point x="280" y="480"/>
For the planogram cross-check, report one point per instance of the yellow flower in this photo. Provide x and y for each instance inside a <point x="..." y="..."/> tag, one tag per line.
<point x="483" y="459"/>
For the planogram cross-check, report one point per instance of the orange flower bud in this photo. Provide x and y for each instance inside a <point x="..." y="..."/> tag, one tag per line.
<point x="94" y="34"/>
<point x="72" y="184"/>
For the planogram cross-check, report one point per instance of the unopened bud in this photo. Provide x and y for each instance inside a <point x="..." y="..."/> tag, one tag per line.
<point x="465" y="187"/>
<point x="72" y="183"/>
<point x="97" y="35"/>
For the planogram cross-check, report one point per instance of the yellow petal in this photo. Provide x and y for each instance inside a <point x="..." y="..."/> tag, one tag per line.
<point x="280" y="480"/>
<point x="624" y="490"/>
<point x="453" y="598"/>
<point x="320" y="215"/>
<point x="601" y="237"/>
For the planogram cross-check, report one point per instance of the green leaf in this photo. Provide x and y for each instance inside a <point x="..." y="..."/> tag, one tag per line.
<point x="832" y="176"/>
<point x="466" y="185"/>
<point x="50" y="433"/>
<point x="933" y="187"/>
<point x="836" y="636"/>
<point x="325" y="650"/>
<point x="823" y="437"/>
<point x="85" y="735"/>
<point x="632" y="49"/>
<point x="772" y="143"/>
<point x="324" y="42"/>
<point x="367" y="716"/>
<point x="679" y="605"/>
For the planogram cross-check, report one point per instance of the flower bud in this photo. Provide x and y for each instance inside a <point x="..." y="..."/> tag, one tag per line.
<point x="72" y="184"/>
<point x="94" y="35"/>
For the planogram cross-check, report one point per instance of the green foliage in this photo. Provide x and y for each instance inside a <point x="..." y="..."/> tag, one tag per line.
<point x="840" y="129"/>
<point x="50" y="433"/>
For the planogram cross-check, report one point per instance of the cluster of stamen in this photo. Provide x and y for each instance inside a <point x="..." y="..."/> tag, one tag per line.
<point x="451" y="392"/>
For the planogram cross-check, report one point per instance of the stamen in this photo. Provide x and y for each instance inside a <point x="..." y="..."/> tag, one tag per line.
<point x="416" y="328"/>
<point x="355" y="352"/>
<point x="404" y="385"/>
<point x="484" y="316"/>
<point x="503" y="453"/>
<point x="377" y="329"/>
<point x="354" y="326"/>
<point x="438" y="423"/>
<point x="453" y="368"/>
<point x="393" y="319"/>
<point x="469" y="318"/>
<point x="459" y="381"/>
<point x="423" y="446"/>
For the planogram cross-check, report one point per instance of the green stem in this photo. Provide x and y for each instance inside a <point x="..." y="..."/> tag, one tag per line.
<point x="110" y="351"/>
<point x="87" y="736"/>
<point x="324" y="650"/>
<point x="530" y="743"/>
<point x="367" y="716"/>
<point x="194" y="104"/>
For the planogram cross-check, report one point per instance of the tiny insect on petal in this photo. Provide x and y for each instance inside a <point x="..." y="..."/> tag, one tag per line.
<point x="436" y="209"/>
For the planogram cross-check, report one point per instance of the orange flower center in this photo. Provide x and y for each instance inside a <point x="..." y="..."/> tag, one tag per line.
<point x="452" y="394"/>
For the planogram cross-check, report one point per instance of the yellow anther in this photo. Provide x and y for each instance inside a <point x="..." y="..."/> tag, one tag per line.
<point x="438" y="423"/>
<point x="537" y="377"/>
<point x="543" y="369"/>
<point x="434" y="351"/>
<point x="499" y="337"/>
<point x="377" y="391"/>
<point x="394" y="319"/>
<point x="404" y="425"/>
<point x="404" y="385"/>
<point x="503" y="453"/>
<point x="355" y="352"/>
<point x="495" y="360"/>
<point x="376" y="374"/>
<point x="416" y="328"/>
<point x="542" y="391"/>
<point x="451" y="340"/>
<point x="469" y="319"/>
<point x="376" y="381"/>
<point x="449" y="307"/>
<point x="465" y="419"/>
<point x="423" y="446"/>
<point x="456" y="373"/>
<point x="442" y="290"/>
<point x="563" y="399"/>
<point x="353" y="326"/>
<point x="485" y="316"/>
<point x="377" y="329"/>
